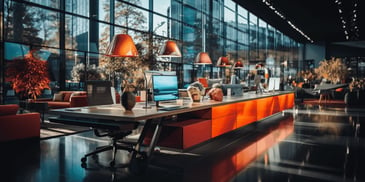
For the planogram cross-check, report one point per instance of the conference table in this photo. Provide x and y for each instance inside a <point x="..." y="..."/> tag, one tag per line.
<point x="153" y="119"/>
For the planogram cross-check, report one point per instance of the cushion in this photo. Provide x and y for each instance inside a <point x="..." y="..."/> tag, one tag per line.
<point x="58" y="97"/>
<point x="66" y="96"/>
<point x="74" y="94"/>
<point x="9" y="109"/>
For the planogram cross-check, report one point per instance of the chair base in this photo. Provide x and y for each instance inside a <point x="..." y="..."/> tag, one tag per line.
<point x="113" y="147"/>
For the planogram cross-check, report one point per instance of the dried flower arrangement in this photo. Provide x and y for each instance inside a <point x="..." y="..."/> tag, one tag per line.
<point x="333" y="70"/>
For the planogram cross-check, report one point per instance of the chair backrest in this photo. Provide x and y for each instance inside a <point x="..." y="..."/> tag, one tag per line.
<point x="99" y="92"/>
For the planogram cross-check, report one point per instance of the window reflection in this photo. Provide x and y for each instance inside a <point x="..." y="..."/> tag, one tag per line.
<point x="73" y="6"/>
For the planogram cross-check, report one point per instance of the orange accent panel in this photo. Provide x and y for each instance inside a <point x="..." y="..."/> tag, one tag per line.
<point x="275" y="106"/>
<point x="224" y="110"/>
<point x="290" y="101"/>
<point x="283" y="101"/>
<point x="223" y="125"/>
<point x="183" y="134"/>
<point x="196" y="133"/>
<point x="264" y="107"/>
<point x="246" y="113"/>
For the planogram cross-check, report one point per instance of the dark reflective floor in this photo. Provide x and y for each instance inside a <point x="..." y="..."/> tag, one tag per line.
<point x="307" y="143"/>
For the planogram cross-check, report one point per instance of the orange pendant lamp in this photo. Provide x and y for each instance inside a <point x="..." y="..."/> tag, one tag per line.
<point x="238" y="65"/>
<point x="170" y="49"/>
<point x="122" y="46"/>
<point x="203" y="58"/>
<point x="223" y="62"/>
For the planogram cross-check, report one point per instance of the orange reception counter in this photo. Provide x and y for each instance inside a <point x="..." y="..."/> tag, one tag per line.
<point x="213" y="118"/>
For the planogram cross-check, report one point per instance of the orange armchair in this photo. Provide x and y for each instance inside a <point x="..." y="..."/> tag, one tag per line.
<point x="15" y="126"/>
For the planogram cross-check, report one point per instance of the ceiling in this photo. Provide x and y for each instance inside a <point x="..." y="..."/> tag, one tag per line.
<point x="318" y="19"/>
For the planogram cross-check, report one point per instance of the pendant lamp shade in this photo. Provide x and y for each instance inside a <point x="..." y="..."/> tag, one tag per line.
<point x="223" y="61"/>
<point x="203" y="58"/>
<point x="170" y="49"/>
<point x="122" y="46"/>
<point x="238" y="65"/>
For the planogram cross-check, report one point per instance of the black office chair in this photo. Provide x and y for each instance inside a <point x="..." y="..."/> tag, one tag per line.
<point x="99" y="93"/>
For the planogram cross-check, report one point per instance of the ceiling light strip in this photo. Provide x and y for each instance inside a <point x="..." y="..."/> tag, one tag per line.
<point x="349" y="26"/>
<point x="268" y="4"/>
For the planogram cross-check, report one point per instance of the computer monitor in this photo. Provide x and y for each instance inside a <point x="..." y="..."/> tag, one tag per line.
<point x="165" y="87"/>
<point x="99" y="92"/>
<point x="236" y="89"/>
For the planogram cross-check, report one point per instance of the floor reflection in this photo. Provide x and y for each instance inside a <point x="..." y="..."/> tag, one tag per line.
<point x="229" y="155"/>
<point x="306" y="143"/>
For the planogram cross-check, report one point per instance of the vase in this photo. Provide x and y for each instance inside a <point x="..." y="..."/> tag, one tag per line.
<point x="128" y="99"/>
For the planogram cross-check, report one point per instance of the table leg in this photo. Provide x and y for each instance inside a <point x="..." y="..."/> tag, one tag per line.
<point x="139" y="157"/>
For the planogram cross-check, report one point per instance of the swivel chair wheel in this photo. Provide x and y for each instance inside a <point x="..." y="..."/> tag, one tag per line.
<point x="83" y="160"/>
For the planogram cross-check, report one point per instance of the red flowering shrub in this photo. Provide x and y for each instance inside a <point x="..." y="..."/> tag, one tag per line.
<point x="28" y="75"/>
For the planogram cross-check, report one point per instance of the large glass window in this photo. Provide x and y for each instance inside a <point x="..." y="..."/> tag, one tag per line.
<point x="74" y="6"/>
<point x="49" y="3"/>
<point x="32" y="25"/>
<point x="192" y="17"/>
<point x="80" y="33"/>
<point x="229" y="17"/>
<point x="162" y="7"/>
<point x="160" y="25"/>
<point x="77" y="33"/>
<point x="217" y="9"/>
<point x="141" y="3"/>
<point x="130" y="16"/>
<point x="103" y="11"/>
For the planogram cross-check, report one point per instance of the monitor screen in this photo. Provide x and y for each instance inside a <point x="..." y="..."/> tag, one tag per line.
<point x="165" y="87"/>
<point x="236" y="89"/>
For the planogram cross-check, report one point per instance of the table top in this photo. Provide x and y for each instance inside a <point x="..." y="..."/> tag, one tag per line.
<point x="329" y="86"/>
<point x="117" y="113"/>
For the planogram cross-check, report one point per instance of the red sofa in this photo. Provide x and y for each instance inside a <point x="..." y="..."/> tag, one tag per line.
<point x="15" y="126"/>
<point x="64" y="99"/>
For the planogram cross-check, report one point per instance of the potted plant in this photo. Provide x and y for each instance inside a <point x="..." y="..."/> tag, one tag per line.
<point x="28" y="76"/>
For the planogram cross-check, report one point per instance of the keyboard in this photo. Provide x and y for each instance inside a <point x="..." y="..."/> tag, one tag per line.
<point x="170" y="108"/>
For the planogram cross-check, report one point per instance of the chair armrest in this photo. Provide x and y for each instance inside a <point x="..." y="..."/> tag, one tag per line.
<point x="78" y="101"/>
